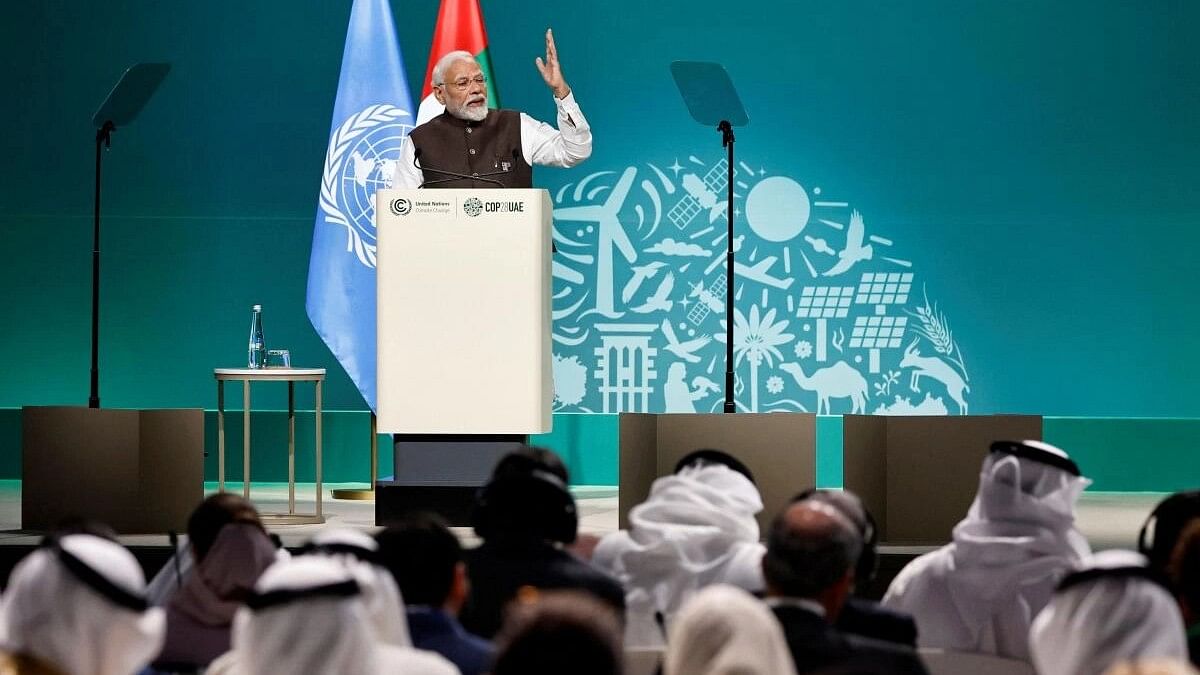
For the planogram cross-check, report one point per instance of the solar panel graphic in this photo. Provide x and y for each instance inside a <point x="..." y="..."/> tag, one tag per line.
<point x="824" y="302"/>
<point x="878" y="332"/>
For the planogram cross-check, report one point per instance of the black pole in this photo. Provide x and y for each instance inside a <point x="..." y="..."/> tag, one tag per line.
<point x="726" y="130"/>
<point x="103" y="137"/>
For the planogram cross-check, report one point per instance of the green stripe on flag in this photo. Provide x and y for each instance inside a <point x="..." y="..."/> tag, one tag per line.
<point x="485" y="64"/>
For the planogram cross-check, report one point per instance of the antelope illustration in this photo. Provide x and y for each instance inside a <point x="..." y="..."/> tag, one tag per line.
<point x="937" y="369"/>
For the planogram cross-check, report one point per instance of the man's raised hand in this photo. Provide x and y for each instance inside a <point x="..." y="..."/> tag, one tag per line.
<point x="550" y="70"/>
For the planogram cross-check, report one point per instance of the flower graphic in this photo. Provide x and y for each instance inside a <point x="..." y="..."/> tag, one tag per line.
<point x="756" y="339"/>
<point x="803" y="349"/>
<point x="774" y="384"/>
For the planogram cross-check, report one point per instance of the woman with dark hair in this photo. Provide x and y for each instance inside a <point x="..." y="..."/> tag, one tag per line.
<point x="229" y="549"/>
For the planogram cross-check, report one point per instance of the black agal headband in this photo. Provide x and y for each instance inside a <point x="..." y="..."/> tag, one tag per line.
<point x="341" y="589"/>
<point x="97" y="581"/>
<point x="1033" y="453"/>
<point x="1122" y="572"/>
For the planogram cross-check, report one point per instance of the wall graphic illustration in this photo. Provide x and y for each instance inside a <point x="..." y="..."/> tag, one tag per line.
<point x="829" y="316"/>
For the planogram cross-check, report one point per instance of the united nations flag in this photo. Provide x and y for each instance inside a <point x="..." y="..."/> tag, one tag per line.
<point x="371" y="117"/>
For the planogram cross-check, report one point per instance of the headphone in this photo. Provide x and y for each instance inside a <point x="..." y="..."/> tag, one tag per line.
<point x="713" y="456"/>
<point x="1169" y="517"/>
<point x="868" y="561"/>
<point x="535" y="502"/>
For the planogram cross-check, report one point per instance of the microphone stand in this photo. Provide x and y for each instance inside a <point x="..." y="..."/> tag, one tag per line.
<point x="711" y="98"/>
<point x="727" y="139"/>
<point x="122" y="105"/>
<point x="103" y="137"/>
<point x="482" y="177"/>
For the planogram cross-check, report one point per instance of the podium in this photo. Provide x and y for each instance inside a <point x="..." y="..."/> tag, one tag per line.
<point x="463" y="338"/>
<point x="138" y="471"/>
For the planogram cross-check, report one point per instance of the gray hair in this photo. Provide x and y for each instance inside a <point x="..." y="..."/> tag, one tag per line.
<point x="443" y="64"/>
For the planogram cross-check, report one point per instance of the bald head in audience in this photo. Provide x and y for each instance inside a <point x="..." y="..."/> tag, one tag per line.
<point x="809" y="571"/>
<point x="811" y="553"/>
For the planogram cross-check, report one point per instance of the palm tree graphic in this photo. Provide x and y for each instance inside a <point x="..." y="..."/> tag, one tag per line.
<point x="756" y="340"/>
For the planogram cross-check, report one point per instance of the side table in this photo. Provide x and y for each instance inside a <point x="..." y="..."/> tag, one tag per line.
<point x="291" y="376"/>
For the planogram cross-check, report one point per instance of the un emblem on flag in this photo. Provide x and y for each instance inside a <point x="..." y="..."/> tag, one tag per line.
<point x="362" y="157"/>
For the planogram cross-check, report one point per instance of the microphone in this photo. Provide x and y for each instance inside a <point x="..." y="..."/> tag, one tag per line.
<point x="174" y="539"/>
<point x="481" y="177"/>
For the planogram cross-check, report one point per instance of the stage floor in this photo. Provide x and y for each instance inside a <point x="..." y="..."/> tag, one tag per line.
<point x="1107" y="519"/>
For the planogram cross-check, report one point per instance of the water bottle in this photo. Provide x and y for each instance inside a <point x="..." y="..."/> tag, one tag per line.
<point x="258" y="348"/>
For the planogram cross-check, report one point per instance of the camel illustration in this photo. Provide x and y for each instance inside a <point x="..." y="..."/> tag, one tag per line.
<point x="840" y="380"/>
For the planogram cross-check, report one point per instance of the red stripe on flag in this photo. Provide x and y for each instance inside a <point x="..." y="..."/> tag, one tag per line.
<point x="459" y="26"/>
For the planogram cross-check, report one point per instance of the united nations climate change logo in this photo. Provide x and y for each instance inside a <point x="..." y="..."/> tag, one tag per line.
<point x="401" y="206"/>
<point x="362" y="157"/>
<point x="472" y="206"/>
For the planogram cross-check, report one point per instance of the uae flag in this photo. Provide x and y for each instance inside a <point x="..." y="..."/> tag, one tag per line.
<point x="459" y="28"/>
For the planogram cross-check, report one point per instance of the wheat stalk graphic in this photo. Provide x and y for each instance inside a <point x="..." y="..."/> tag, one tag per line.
<point x="936" y="328"/>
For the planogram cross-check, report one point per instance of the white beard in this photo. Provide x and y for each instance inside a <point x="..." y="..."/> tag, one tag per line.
<point x="471" y="114"/>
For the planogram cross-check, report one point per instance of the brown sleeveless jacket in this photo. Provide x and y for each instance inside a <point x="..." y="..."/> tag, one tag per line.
<point x="492" y="146"/>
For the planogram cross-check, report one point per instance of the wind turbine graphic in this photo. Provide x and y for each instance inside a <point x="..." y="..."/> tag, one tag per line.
<point x="610" y="234"/>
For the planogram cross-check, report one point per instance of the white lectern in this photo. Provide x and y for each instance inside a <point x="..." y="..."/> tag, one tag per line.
<point x="463" y="285"/>
<point x="464" y="356"/>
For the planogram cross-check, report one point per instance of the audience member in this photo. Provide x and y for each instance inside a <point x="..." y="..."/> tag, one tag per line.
<point x="809" y="571"/>
<point x="859" y="615"/>
<point x="230" y="549"/>
<point x="980" y="592"/>
<point x="723" y="630"/>
<point x="77" y="606"/>
<point x="1164" y="526"/>
<point x="558" y="632"/>
<point x="358" y="553"/>
<point x="696" y="528"/>
<point x="1115" y="609"/>
<point x="308" y="615"/>
<point x="1184" y="571"/>
<point x="525" y="515"/>
<point x="427" y="561"/>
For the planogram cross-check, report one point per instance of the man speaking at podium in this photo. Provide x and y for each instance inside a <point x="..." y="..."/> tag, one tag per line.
<point x="470" y="146"/>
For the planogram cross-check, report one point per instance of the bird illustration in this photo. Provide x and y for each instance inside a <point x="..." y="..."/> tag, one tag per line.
<point x="683" y="349"/>
<point x="363" y="166"/>
<point x="854" y="250"/>
<point x="640" y="274"/>
<point x="661" y="300"/>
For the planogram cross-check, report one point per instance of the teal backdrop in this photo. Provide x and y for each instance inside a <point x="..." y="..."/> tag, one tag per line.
<point x="1034" y="163"/>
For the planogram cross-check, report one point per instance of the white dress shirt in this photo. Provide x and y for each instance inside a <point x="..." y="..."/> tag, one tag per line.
<point x="541" y="144"/>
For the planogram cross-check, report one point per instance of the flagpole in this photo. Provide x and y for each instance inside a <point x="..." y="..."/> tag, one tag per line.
<point x="356" y="494"/>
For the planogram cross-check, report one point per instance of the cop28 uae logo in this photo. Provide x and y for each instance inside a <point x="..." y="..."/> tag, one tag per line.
<point x="830" y="316"/>
<point x="472" y="206"/>
<point x="362" y="157"/>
